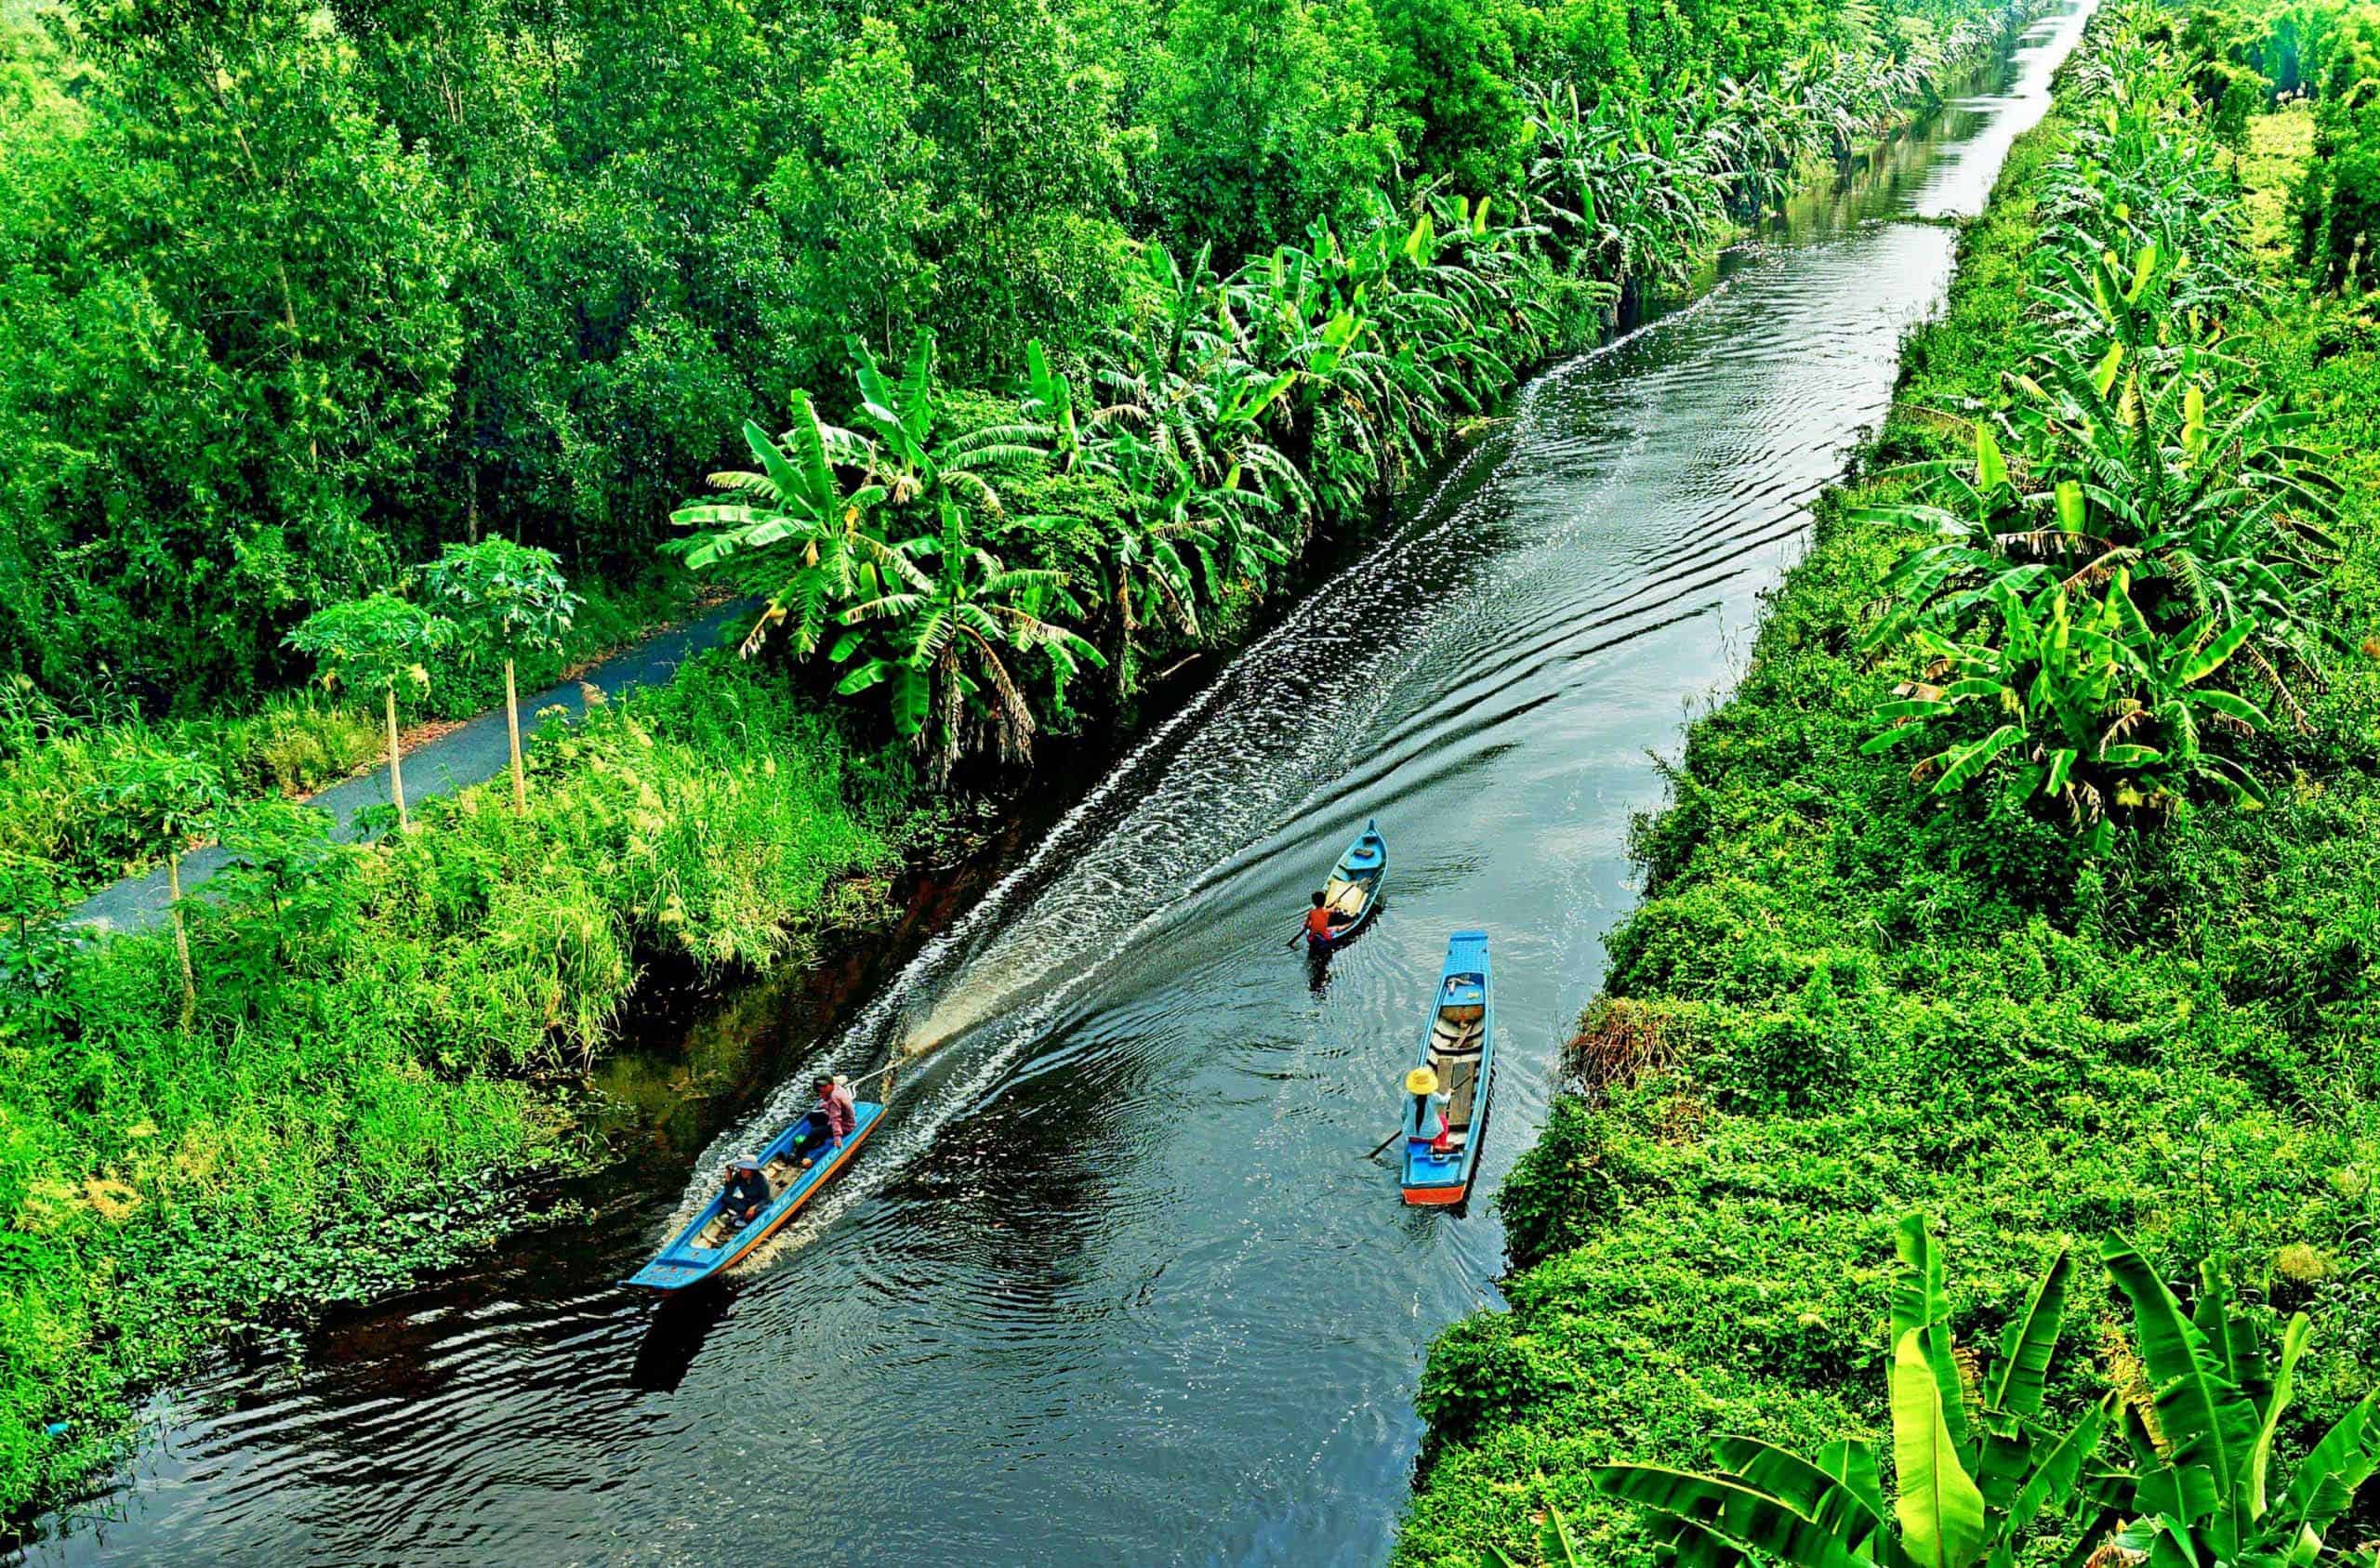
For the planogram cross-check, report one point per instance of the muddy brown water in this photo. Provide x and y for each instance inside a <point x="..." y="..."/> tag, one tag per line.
<point x="1116" y="1281"/>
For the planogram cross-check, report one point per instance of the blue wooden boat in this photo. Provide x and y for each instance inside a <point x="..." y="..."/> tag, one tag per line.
<point x="710" y="1244"/>
<point x="1451" y="1078"/>
<point x="1353" y="891"/>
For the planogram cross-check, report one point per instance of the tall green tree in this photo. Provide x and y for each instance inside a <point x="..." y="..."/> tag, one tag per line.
<point x="230" y="330"/>
<point x="1449" y="67"/>
<point x="857" y="209"/>
<point x="1027" y="112"/>
<point x="1268" y="115"/>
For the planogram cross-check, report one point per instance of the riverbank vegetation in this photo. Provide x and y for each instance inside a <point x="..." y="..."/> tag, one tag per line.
<point x="298" y="297"/>
<point x="372" y="1034"/>
<point x="2024" y="883"/>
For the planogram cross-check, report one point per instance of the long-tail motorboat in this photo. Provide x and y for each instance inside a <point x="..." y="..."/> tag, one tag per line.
<point x="1353" y="891"/>
<point x="1446" y="1109"/>
<point x="713" y="1240"/>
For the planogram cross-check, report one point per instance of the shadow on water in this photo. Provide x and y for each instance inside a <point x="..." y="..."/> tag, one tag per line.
<point x="680" y="1326"/>
<point x="1117" y="1281"/>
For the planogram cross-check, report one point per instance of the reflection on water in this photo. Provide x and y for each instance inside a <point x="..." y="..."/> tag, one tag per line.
<point x="1116" y="1282"/>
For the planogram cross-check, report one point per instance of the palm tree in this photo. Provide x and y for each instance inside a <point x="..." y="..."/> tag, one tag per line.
<point x="949" y="679"/>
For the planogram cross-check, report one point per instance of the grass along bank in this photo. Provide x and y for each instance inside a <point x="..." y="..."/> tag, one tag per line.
<point x="57" y="759"/>
<point x="1846" y="998"/>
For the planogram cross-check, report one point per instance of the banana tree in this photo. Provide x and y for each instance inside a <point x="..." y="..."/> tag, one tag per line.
<point x="2214" y="511"/>
<point x="944" y="669"/>
<point x="2206" y="1494"/>
<point x="798" y="535"/>
<point x="1976" y="1467"/>
<point x="1235" y="546"/>
<point x="1138" y="548"/>
<point x="1049" y="402"/>
<point x="1153" y="369"/>
<point x="2099" y="709"/>
<point x="900" y="417"/>
<point x="1644" y="204"/>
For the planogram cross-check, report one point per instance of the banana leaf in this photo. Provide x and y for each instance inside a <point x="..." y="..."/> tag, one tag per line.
<point x="1938" y="1505"/>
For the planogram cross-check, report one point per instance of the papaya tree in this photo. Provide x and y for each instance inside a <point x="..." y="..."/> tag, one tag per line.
<point x="509" y="600"/>
<point x="1976" y="1466"/>
<point x="175" y="801"/>
<point x="375" y="644"/>
<point x="2099" y="711"/>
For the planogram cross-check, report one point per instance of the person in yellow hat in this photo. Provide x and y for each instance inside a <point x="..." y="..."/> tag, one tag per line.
<point x="1431" y="1107"/>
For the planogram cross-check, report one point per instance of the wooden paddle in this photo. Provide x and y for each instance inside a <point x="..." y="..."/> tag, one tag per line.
<point x="1384" y="1143"/>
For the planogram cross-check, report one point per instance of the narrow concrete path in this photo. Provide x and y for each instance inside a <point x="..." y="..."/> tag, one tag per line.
<point x="456" y="761"/>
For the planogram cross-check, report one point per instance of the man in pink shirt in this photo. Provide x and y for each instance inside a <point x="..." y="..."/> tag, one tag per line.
<point x="830" y="1122"/>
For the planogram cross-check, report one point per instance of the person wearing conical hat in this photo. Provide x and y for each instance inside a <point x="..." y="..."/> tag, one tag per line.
<point x="1432" y="1103"/>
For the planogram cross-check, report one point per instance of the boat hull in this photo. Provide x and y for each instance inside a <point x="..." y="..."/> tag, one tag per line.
<point x="684" y="1262"/>
<point x="1364" y="865"/>
<point x="1457" y="1047"/>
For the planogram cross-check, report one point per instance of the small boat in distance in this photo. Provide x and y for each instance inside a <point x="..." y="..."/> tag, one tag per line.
<point x="1447" y="1093"/>
<point x="1354" y="889"/>
<point x="710" y="1244"/>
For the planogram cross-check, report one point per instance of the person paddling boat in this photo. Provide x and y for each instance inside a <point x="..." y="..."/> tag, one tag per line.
<point x="1348" y="895"/>
<point x="1320" y="921"/>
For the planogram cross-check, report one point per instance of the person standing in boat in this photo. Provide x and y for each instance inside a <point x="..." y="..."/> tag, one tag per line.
<point x="830" y="1122"/>
<point x="747" y="1192"/>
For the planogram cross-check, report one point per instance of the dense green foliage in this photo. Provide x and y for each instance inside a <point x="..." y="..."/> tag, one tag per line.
<point x="295" y="295"/>
<point x="2178" y="1464"/>
<point x="1219" y="420"/>
<point x="373" y="1034"/>
<point x="2105" y="594"/>
<point x="1845" y="997"/>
